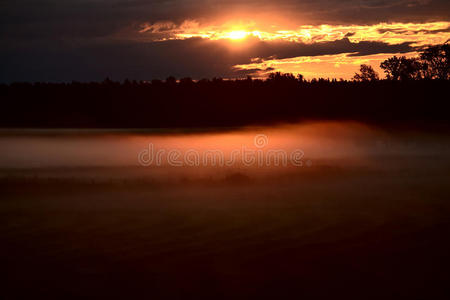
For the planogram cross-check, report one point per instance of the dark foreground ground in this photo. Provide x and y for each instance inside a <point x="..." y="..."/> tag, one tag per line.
<point x="320" y="234"/>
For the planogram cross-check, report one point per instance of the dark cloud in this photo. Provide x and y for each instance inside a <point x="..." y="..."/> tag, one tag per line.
<point x="404" y="31"/>
<point x="281" y="50"/>
<point x="196" y="57"/>
<point x="87" y="18"/>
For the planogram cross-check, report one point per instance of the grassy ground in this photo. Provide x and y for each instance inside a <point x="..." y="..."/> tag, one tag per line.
<point x="322" y="233"/>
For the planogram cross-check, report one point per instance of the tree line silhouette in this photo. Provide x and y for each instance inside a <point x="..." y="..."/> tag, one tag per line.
<point x="415" y="91"/>
<point x="432" y="63"/>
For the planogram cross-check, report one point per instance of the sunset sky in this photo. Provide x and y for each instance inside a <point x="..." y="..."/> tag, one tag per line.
<point x="49" y="40"/>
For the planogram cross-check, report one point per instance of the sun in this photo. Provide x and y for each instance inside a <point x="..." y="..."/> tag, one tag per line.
<point x="237" y="35"/>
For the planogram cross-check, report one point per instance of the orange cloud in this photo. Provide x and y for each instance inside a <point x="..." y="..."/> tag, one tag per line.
<point x="391" y="33"/>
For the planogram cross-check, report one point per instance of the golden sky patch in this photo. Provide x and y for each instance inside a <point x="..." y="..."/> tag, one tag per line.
<point x="323" y="66"/>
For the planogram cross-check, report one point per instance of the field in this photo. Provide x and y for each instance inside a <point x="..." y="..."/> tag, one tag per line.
<point x="357" y="228"/>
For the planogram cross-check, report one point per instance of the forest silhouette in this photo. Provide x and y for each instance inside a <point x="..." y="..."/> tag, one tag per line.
<point x="415" y="91"/>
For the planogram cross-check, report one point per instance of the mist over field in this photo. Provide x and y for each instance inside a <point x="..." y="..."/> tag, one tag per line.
<point x="366" y="214"/>
<point x="334" y="144"/>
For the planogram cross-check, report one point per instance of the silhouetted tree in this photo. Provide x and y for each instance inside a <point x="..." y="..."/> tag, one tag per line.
<point x="367" y="74"/>
<point x="217" y="80"/>
<point x="436" y="62"/>
<point x="127" y="82"/>
<point x="171" y="80"/>
<point x="402" y="68"/>
<point x="282" y="78"/>
<point x="187" y="81"/>
<point x="157" y="82"/>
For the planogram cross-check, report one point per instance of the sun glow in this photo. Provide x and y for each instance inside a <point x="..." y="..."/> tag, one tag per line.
<point x="419" y="34"/>
<point x="237" y="35"/>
